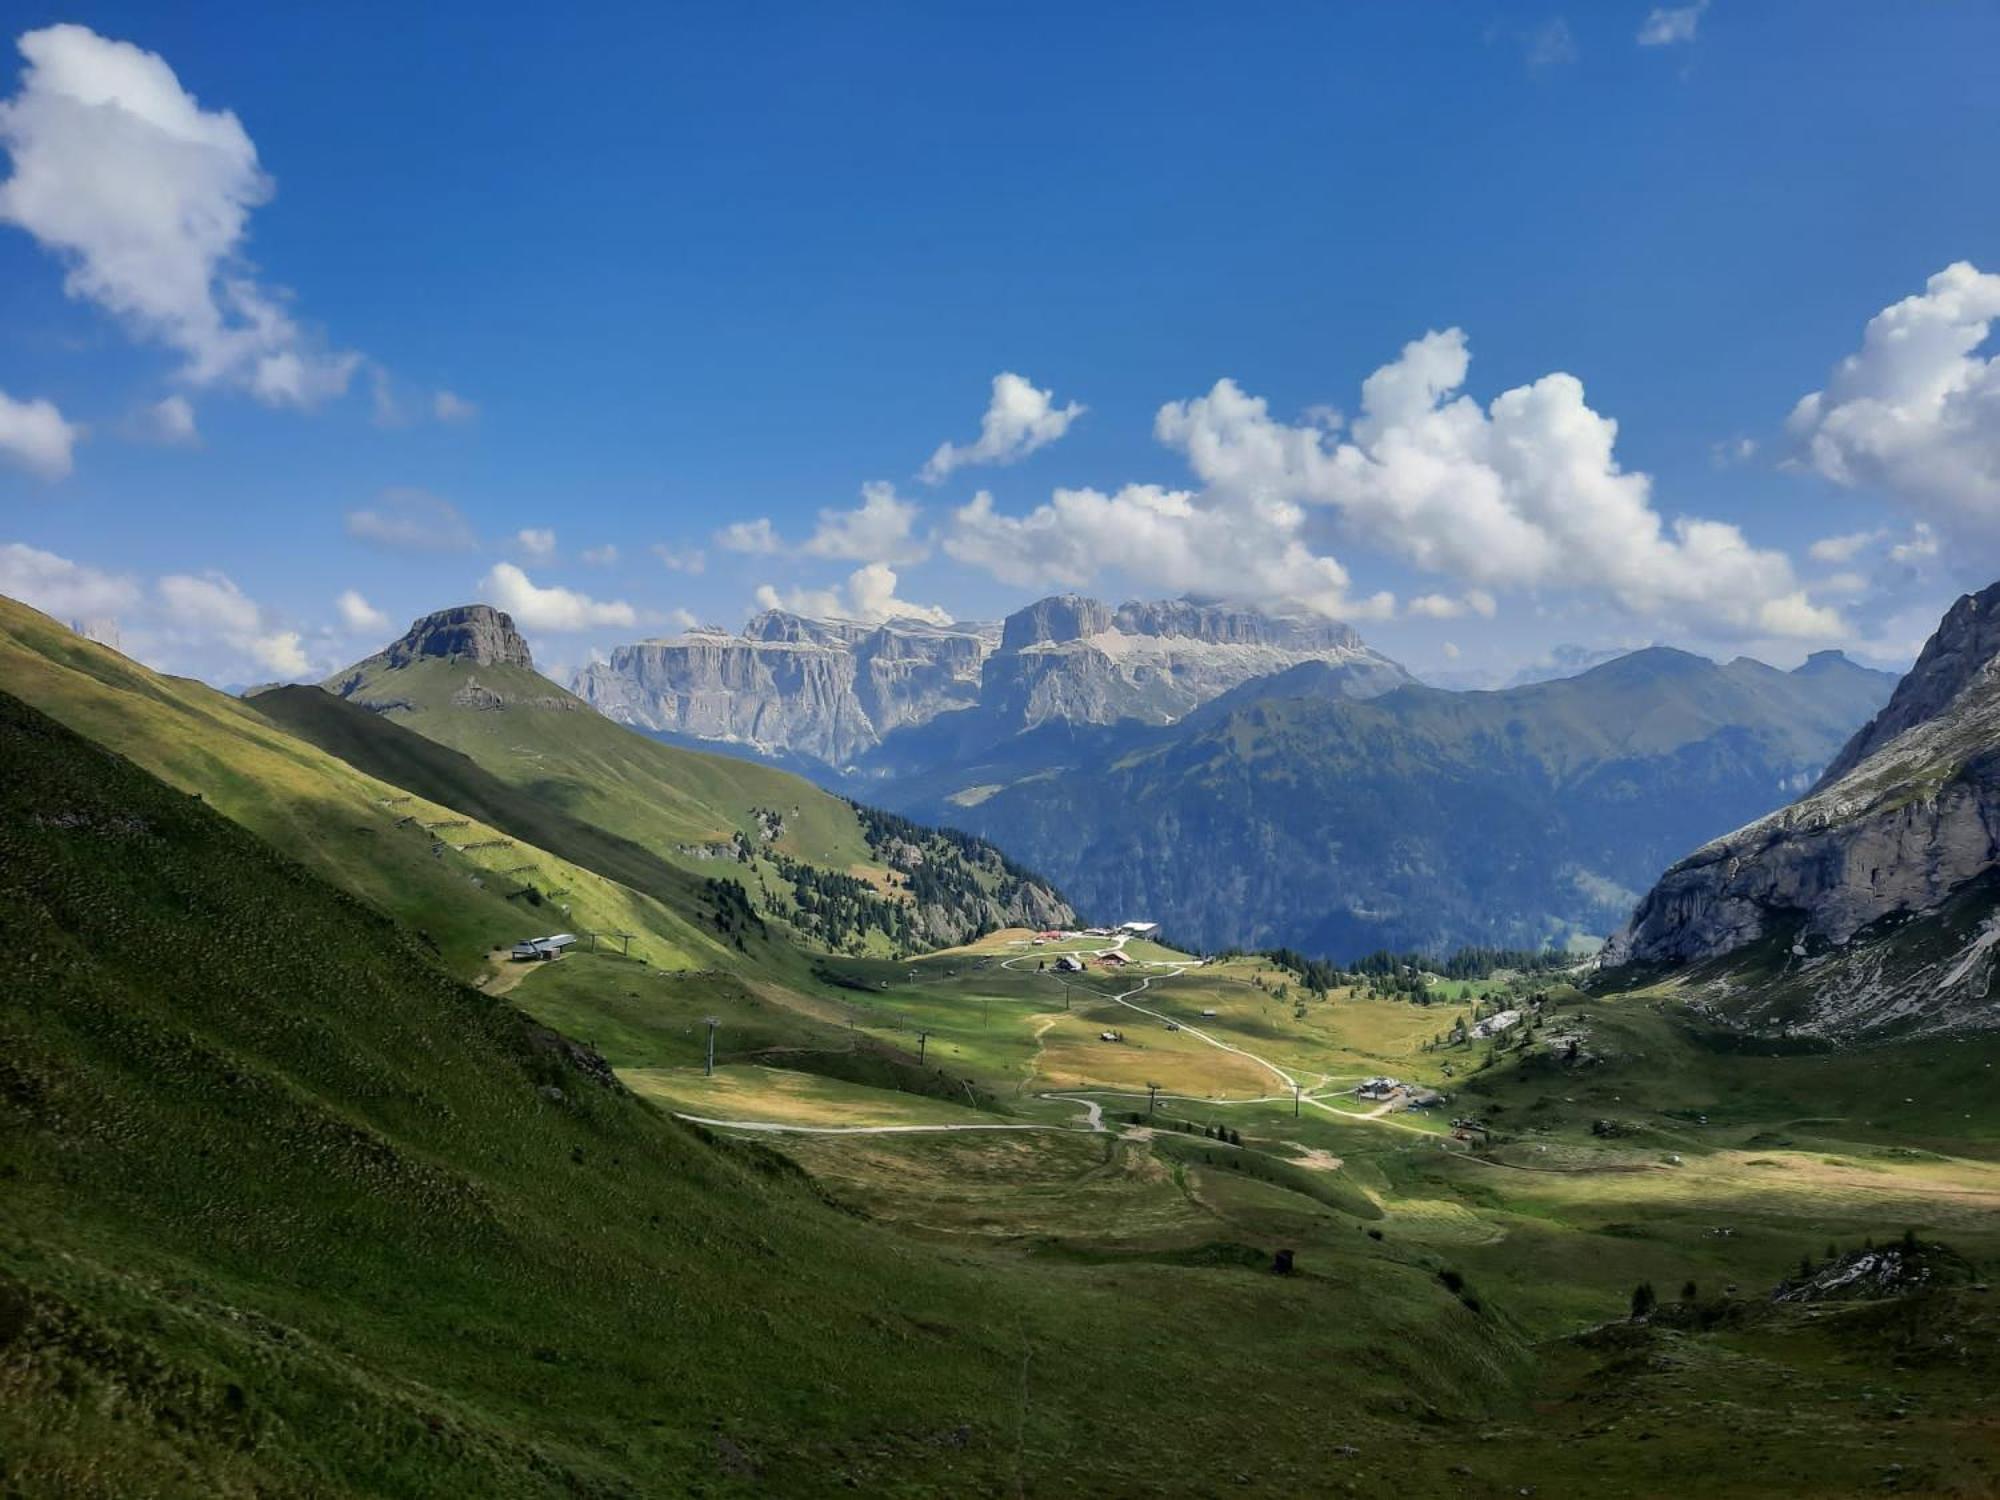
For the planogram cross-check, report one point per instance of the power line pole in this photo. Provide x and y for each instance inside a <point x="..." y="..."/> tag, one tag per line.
<point x="922" y="1037"/>
<point x="1152" y="1097"/>
<point x="709" y="1070"/>
<point x="1295" y="1101"/>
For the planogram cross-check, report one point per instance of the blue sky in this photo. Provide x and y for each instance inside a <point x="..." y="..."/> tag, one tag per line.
<point x="637" y="278"/>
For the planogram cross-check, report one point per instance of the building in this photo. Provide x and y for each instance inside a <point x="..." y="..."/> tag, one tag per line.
<point x="1139" y="929"/>
<point x="1380" y="1088"/>
<point x="1505" y="1021"/>
<point x="544" y="947"/>
<point x="1069" y="963"/>
<point x="1113" y="960"/>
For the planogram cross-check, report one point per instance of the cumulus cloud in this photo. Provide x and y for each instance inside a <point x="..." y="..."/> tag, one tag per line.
<point x="411" y="520"/>
<point x="600" y="557"/>
<point x="881" y="529"/>
<point x="1916" y="410"/>
<point x="211" y="606"/>
<point x="869" y="596"/>
<point x="145" y="196"/>
<point x="1525" y="493"/>
<point x="34" y="435"/>
<point x="536" y="541"/>
<point x="682" y="559"/>
<point x="757" y="537"/>
<point x="553" y="608"/>
<point x="59" y="587"/>
<point x="1666" y="25"/>
<point x="1019" y="419"/>
<point x="1171" y="539"/>
<point x="358" y="615"/>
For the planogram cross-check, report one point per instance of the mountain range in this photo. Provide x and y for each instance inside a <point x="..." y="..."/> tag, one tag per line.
<point x="1342" y="805"/>
<point x="843" y="697"/>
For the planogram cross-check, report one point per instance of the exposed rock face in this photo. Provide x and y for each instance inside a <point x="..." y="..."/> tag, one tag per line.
<point x="471" y="632"/>
<point x="1074" y="660"/>
<point x="829" y="689"/>
<point x="833" y="690"/>
<point x="1907" y="821"/>
<point x="1966" y="641"/>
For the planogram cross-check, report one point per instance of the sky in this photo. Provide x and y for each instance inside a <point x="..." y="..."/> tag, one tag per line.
<point x="1495" y="330"/>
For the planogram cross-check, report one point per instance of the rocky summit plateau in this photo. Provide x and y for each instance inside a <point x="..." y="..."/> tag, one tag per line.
<point x="832" y="691"/>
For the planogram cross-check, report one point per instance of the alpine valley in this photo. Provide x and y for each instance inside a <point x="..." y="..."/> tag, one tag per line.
<point x="422" y="1085"/>
<point x="1329" y="791"/>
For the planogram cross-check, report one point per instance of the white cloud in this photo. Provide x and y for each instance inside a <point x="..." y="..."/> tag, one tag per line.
<point x="1239" y="547"/>
<point x="411" y="520"/>
<point x="449" y="406"/>
<point x="870" y="596"/>
<point x="171" y="420"/>
<point x="682" y="559"/>
<point x="600" y="557"/>
<point x="145" y="196"/>
<point x="535" y="608"/>
<point x="358" y="615"/>
<point x="880" y="529"/>
<point x="1445" y="607"/>
<point x="1525" y="493"/>
<point x="34" y="435"/>
<point x="1666" y="25"/>
<point x="536" y="541"/>
<point x="1019" y="419"/>
<point x="62" y="588"/>
<point x="1732" y="451"/>
<point x="209" y="606"/>
<point x="1915" y="411"/>
<point x="756" y="537"/>
<point x="1844" y="548"/>
<point x="1921" y="546"/>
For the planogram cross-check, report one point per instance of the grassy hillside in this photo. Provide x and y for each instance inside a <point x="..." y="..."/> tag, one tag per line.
<point x="537" y="736"/>
<point x="289" y="1210"/>
<point x="385" y="843"/>
<point x="838" y="878"/>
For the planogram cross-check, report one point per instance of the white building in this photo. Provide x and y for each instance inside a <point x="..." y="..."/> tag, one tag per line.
<point x="1507" y="1020"/>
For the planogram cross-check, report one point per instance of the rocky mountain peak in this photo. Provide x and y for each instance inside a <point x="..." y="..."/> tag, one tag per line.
<point x="1961" y="650"/>
<point x="476" y="633"/>
<point x="1058" y="618"/>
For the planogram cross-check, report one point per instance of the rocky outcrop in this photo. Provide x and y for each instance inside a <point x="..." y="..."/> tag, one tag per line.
<point x="1964" y="645"/>
<point x="1073" y="660"/>
<point x="1906" y="821"/>
<point x="476" y="633"/>
<point x="828" y="689"/>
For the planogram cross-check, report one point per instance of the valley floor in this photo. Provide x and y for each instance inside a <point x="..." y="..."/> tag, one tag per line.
<point x="1177" y="1123"/>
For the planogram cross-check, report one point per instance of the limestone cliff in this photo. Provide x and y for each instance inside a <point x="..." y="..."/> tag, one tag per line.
<point x="1903" y="829"/>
